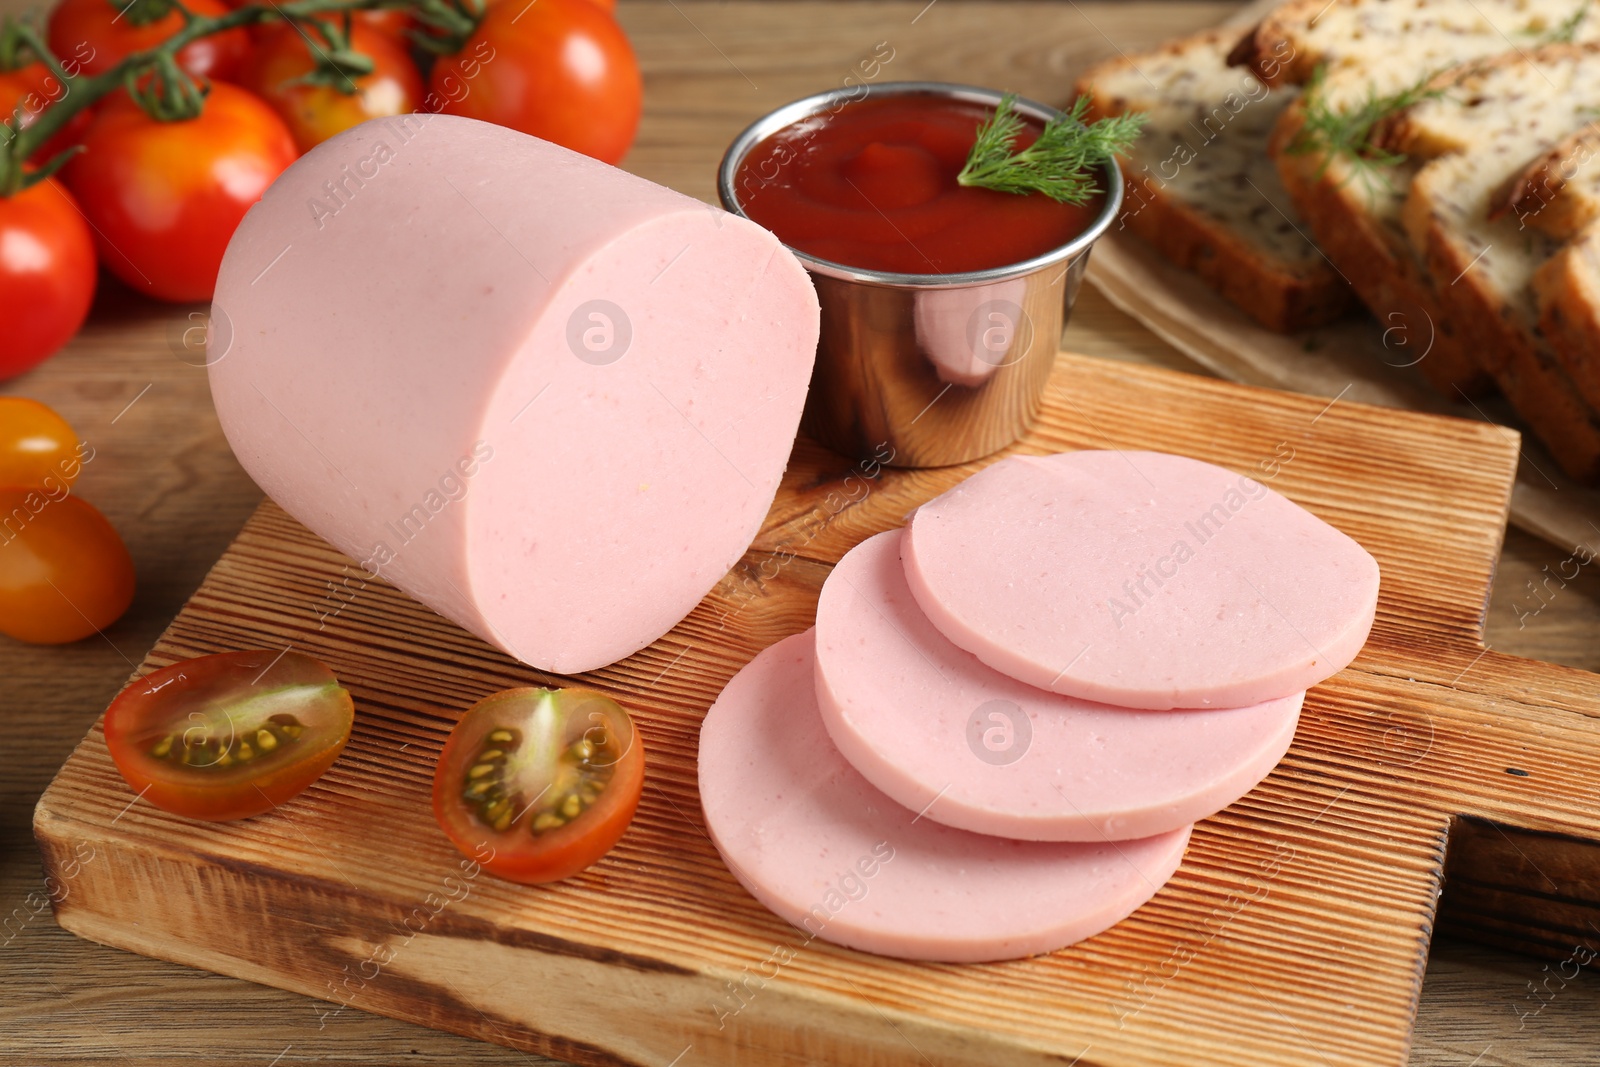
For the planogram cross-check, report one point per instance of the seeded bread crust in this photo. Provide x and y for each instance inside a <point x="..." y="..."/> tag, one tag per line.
<point x="1567" y="288"/>
<point x="1558" y="193"/>
<point x="1526" y="367"/>
<point x="1201" y="188"/>
<point x="1493" y="118"/>
<point x="1379" y="47"/>
<point x="1354" y="215"/>
<point x="1394" y="43"/>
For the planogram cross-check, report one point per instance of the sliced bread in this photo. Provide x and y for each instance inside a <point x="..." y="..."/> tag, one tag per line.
<point x="1396" y="43"/>
<point x="1368" y="50"/>
<point x="1489" y="122"/>
<point x="1567" y="288"/>
<point x="1559" y="192"/>
<point x="1201" y="187"/>
<point x="1354" y="210"/>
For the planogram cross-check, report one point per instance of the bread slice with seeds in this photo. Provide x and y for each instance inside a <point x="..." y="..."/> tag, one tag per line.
<point x="1391" y="44"/>
<point x="1559" y="192"/>
<point x="1567" y="289"/>
<point x="1370" y="52"/>
<point x="1353" y="209"/>
<point x="1490" y="121"/>
<point x="1201" y="187"/>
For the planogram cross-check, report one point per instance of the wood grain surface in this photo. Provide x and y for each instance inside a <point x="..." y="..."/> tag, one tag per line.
<point x="1295" y="932"/>
<point x="164" y="475"/>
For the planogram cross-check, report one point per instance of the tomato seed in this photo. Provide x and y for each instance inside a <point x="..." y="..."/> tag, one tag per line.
<point x="213" y="753"/>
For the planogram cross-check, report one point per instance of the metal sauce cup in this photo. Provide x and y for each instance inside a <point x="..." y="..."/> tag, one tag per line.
<point x="931" y="369"/>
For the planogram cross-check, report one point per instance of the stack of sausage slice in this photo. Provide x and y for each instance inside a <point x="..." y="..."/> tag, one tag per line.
<point x="996" y="739"/>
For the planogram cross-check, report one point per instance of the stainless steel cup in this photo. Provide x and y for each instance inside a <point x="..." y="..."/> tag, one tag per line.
<point x="934" y="369"/>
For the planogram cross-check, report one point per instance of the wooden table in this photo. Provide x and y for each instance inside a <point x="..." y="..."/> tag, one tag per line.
<point x="164" y="475"/>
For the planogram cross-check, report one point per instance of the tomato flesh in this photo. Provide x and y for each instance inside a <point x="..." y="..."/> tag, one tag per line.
<point x="64" y="572"/>
<point x="38" y="448"/>
<point x="547" y="780"/>
<point x="231" y="735"/>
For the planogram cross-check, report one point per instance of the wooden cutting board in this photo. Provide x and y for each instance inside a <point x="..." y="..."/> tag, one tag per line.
<point x="1295" y="932"/>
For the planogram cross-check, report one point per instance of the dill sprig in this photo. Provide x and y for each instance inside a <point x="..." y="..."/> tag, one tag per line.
<point x="1332" y="132"/>
<point x="1060" y="164"/>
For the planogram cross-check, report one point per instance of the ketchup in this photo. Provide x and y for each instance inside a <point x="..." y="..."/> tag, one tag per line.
<point x="873" y="185"/>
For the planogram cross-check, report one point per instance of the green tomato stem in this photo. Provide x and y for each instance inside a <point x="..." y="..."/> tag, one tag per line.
<point x="149" y="75"/>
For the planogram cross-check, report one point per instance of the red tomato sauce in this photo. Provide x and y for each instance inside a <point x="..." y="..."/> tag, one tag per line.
<point x="873" y="185"/>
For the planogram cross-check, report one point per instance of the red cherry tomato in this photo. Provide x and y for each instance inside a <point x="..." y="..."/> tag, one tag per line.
<point x="604" y="5"/>
<point x="97" y="34"/>
<point x="558" y="69"/>
<point x="47" y="274"/>
<point x="165" y="197"/>
<point x="545" y="779"/>
<point x="64" y="572"/>
<point x="315" y="113"/>
<point x="32" y="89"/>
<point x="394" y="21"/>
<point x="231" y="735"/>
<point x="38" y="449"/>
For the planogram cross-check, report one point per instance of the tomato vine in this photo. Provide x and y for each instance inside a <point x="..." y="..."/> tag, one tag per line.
<point x="168" y="93"/>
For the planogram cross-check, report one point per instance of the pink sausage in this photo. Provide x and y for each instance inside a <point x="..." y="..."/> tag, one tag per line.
<point x="547" y="398"/>
<point x="817" y="844"/>
<point x="1140" y="579"/>
<point x="943" y="734"/>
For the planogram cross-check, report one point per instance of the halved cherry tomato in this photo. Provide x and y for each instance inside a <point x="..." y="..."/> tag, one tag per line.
<point x="98" y="34"/>
<point x="31" y="89"/>
<point x="231" y="735"/>
<point x="38" y="448"/>
<point x="548" y="779"/>
<point x="315" y="112"/>
<point x="558" y="69"/>
<point x="165" y="197"/>
<point x="64" y="572"/>
<point x="47" y="274"/>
